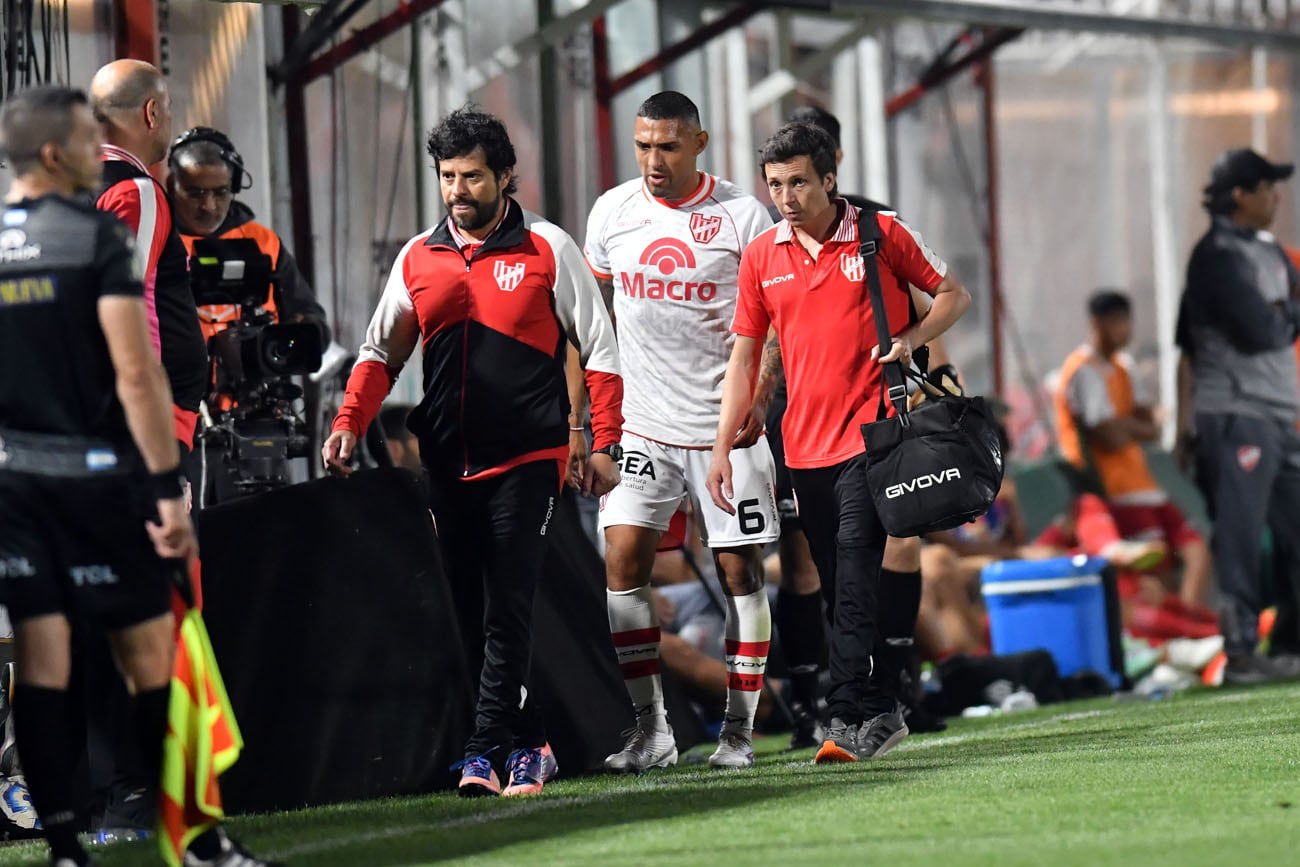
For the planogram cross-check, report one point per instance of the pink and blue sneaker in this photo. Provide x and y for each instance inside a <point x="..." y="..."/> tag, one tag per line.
<point x="477" y="777"/>
<point x="529" y="770"/>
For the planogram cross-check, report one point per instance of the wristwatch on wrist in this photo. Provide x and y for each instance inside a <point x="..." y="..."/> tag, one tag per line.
<point x="615" y="452"/>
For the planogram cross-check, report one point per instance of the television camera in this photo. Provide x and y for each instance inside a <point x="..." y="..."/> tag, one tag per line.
<point x="251" y="423"/>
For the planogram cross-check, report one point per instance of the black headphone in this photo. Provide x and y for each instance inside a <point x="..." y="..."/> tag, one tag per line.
<point x="231" y="157"/>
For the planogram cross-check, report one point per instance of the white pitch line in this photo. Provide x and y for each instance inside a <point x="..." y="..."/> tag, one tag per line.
<point x="948" y="740"/>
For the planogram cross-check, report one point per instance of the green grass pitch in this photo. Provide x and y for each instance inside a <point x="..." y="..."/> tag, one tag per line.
<point x="1205" y="778"/>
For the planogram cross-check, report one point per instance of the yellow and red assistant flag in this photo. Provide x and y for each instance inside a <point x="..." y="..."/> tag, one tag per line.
<point x="202" y="742"/>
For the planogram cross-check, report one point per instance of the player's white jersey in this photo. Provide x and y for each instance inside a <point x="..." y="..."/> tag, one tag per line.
<point x="674" y="269"/>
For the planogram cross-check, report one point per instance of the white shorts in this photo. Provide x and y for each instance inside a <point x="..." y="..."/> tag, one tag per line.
<point x="656" y="477"/>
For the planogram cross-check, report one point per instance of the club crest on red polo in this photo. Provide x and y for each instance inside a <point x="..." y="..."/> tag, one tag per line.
<point x="705" y="229"/>
<point x="853" y="267"/>
<point x="1248" y="457"/>
<point x="508" y="276"/>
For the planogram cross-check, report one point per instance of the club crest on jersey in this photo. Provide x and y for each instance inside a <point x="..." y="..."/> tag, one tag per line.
<point x="853" y="267"/>
<point x="705" y="229"/>
<point x="508" y="276"/>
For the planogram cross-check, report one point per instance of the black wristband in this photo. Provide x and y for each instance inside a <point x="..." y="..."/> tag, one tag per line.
<point x="168" y="485"/>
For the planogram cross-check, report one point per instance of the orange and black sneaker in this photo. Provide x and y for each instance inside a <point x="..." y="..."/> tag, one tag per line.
<point x="840" y="745"/>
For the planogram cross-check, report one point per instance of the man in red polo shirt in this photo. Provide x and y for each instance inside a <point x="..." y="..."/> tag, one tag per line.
<point x="804" y="278"/>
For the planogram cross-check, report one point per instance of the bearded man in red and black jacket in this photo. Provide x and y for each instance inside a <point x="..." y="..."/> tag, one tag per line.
<point x="493" y="295"/>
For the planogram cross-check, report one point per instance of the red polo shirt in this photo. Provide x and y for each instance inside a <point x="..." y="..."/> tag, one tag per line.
<point x="822" y="315"/>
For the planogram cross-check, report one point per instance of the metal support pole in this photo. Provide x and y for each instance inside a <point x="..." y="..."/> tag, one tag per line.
<point x="845" y="104"/>
<point x="604" y="104"/>
<point x="1259" y="84"/>
<point x="550" y="127"/>
<point x="295" y="115"/>
<point x="719" y="122"/>
<point x="1164" y="246"/>
<point x="784" y="53"/>
<point x="135" y="30"/>
<point x="993" y="237"/>
<point x="744" y="170"/>
<point x="417" y="97"/>
<point x="873" y="121"/>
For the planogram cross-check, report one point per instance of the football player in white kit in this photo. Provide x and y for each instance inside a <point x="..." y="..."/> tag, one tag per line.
<point x="666" y="249"/>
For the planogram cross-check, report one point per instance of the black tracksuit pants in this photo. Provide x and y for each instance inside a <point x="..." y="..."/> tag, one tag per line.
<point x="492" y="534"/>
<point x="848" y="546"/>
<point x="1249" y="471"/>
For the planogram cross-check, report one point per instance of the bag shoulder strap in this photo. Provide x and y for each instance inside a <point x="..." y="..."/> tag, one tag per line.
<point x="869" y="241"/>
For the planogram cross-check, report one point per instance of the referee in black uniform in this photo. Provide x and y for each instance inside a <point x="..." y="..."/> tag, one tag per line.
<point x="90" y="480"/>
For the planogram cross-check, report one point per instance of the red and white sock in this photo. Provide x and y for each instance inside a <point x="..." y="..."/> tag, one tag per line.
<point x="634" y="629"/>
<point x="749" y="634"/>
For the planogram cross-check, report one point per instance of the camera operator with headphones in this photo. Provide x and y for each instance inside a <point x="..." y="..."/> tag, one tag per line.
<point x="206" y="175"/>
<point x="259" y="317"/>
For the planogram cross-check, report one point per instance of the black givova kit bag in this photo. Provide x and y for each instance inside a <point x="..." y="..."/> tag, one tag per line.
<point x="937" y="466"/>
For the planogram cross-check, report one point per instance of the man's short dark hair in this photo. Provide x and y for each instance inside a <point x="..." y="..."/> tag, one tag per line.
<point x="670" y="105"/>
<point x="818" y="117"/>
<point x="33" y="118"/>
<point x="1107" y="302"/>
<point x="798" y="140"/>
<point x="469" y="128"/>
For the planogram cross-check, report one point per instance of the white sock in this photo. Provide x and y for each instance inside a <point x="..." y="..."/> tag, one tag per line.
<point x="749" y="634"/>
<point x="634" y="629"/>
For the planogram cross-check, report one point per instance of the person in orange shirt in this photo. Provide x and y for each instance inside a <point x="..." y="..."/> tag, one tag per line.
<point x="1103" y="424"/>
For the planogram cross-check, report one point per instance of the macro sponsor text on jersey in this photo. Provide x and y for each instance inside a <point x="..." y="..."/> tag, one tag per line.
<point x="664" y="258"/>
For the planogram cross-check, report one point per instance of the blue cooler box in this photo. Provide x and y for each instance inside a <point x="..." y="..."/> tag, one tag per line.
<point x="1056" y="605"/>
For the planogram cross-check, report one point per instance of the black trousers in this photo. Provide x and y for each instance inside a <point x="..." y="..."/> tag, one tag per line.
<point x="492" y="534"/>
<point x="1249" y="471"/>
<point x="848" y="546"/>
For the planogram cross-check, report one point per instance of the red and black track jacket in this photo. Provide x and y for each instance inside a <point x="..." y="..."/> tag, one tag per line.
<point x="493" y="320"/>
<point x="139" y="201"/>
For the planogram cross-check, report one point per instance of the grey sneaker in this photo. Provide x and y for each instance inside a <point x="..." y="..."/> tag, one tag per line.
<point x="881" y="733"/>
<point x="1287" y="664"/>
<point x="735" y="750"/>
<point x="1248" y="669"/>
<point x="840" y="745"/>
<point x="650" y="744"/>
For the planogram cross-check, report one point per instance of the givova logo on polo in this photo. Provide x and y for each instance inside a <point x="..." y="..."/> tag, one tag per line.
<point x="667" y="256"/>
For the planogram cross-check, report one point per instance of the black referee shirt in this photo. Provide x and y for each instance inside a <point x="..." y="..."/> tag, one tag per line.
<point x="57" y="259"/>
